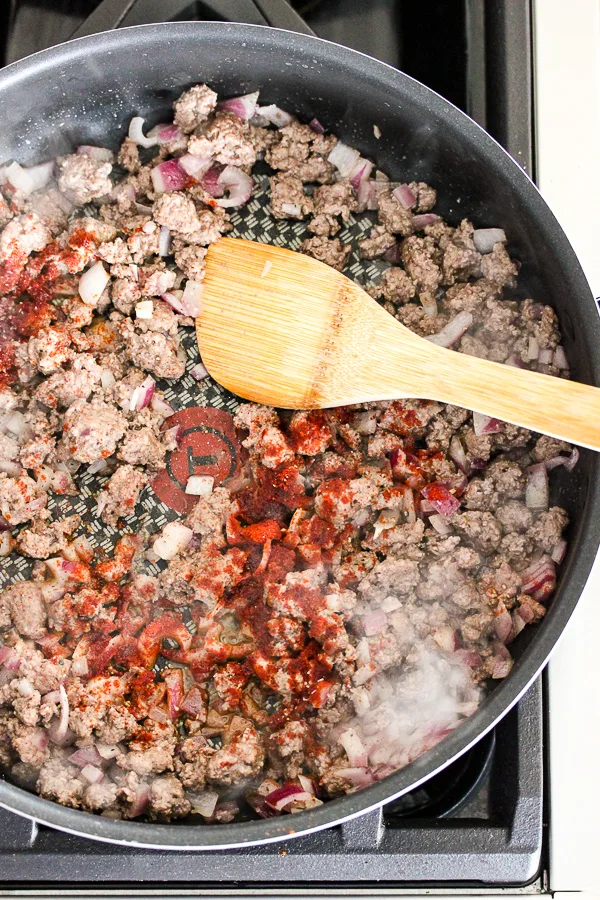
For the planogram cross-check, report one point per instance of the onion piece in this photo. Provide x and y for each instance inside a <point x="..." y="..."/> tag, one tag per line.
<point x="92" y="283"/>
<point x="199" y="372"/>
<point x="108" y="751"/>
<point x="316" y="126"/>
<point x="537" y="491"/>
<point x="142" y="798"/>
<point x="439" y="496"/>
<point x="514" y="361"/>
<point x="203" y="803"/>
<point x="307" y="784"/>
<point x="92" y="774"/>
<point x="145" y="392"/>
<point x="572" y="460"/>
<point x="357" y="776"/>
<point x="193" y="703"/>
<point x="87" y="756"/>
<point x="29" y="180"/>
<point x="485" y="424"/>
<point x="374" y="622"/>
<point x="243" y="107"/>
<point x="458" y="455"/>
<point x="164" y="241"/>
<point x="283" y="796"/>
<point x="421" y="221"/>
<point x="503" y="625"/>
<point x="159" y="715"/>
<point x="453" y="331"/>
<point x="545" y="357"/>
<point x="174" y="538"/>
<point x="25" y="687"/>
<point x="276" y="116"/>
<point x="533" y="349"/>
<point x="560" y="358"/>
<point x="429" y="304"/>
<point x="539" y="579"/>
<point x="63" y="724"/>
<point x="344" y="158"/>
<point x="107" y="379"/>
<point x="559" y="551"/>
<point x="440" y="524"/>
<point x="169" y="176"/>
<point x="404" y="196"/>
<point x="12" y="469"/>
<point x="80" y="666"/>
<point x="200" y="485"/>
<point x="160" y="406"/>
<point x="237" y="184"/>
<point x="210" y="180"/>
<point x="144" y="309"/>
<point x="195" y="166"/>
<point x="485" y="239"/>
<point x="136" y="133"/>
<point x="354" y="747"/>
<point x="291" y="209"/>
<point x="166" y="133"/>
<point x="361" y="172"/>
<point x="191" y="300"/>
<point x="101" y="154"/>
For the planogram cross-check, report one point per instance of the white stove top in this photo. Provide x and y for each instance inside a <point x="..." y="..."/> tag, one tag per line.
<point x="567" y="105"/>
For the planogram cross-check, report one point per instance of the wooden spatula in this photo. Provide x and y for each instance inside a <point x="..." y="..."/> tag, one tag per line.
<point x="280" y="328"/>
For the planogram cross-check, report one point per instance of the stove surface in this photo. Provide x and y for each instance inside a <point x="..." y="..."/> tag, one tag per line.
<point x="479" y="823"/>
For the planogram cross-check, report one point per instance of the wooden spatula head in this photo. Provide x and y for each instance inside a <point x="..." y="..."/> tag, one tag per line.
<point x="283" y="329"/>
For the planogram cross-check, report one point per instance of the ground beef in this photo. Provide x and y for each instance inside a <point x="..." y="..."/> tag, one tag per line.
<point x="332" y="252"/>
<point x="322" y="594"/>
<point x="83" y="178"/>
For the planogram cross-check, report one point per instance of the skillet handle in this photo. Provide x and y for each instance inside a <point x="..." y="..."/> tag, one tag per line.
<point x="111" y="14"/>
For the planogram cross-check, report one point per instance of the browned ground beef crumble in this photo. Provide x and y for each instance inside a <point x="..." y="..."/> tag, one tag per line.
<point x="335" y="609"/>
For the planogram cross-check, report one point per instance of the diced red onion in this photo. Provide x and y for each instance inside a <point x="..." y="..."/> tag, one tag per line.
<point x="537" y="490"/>
<point x="533" y="349"/>
<point x="539" y="579"/>
<point x="359" y="777"/>
<point x="29" y="180"/>
<point x="440" y="524"/>
<point x="276" y="116"/>
<point x="468" y="657"/>
<point x="195" y="166"/>
<point x="291" y="209"/>
<point x="503" y="625"/>
<point x="559" y="551"/>
<point x="344" y="158"/>
<point x="191" y="300"/>
<point x="289" y="793"/>
<point x="107" y="379"/>
<point x="80" y="666"/>
<point x="169" y="176"/>
<point x="144" y="309"/>
<point x="203" y="803"/>
<point x="159" y="715"/>
<point x="405" y="196"/>
<point x="429" y="304"/>
<point x="160" y="406"/>
<point x="525" y="613"/>
<point x="364" y="674"/>
<point x="193" y="702"/>
<point x="210" y="180"/>
<point x="545" y="357"/>
<point x="142" y="798"/>
<point x="307" y="784"/>
<point x="572" y="460"/>
<point x="316" y="126"/>
<point x="108" y="751"/>
<point x="485" y="424"/>
<point x="485" y="239"/>
<point x="440" y="498"/>
<point x="374" y="622"/>
<point x="25" y="687"/>
<point x="101" y="154"/>
<point x="409" y="506"/>
<point x="174" y="538"/>
<point x="237" y="184"/>
<point x="164" y="241"/>
<point x="421" y="221"/>
<point x="199" y="372"/>
<point x="63" y="724"/>
<point x="166" y="133"/>
<point x="92" y="283"/>
<point x="145" y="392"/>
<point x="361" y="172"/>
<point x="453" y="331"/>
<point x="243" y="107"/>
<point x="393" y="255"/>
<point x="87" y="756"/>
<point x="4" y="526"/>
<point x="560" y="358"/>
<point x="445" y="638"/>
<point x="200" y="485"/>
<point x="514" y="361"/>
<point x="458" y="455"/>
<point x="136" y="133"/>
<point x="354" y="747"/>
<point x="17" y="425"/>
<point x="6" y="543"/>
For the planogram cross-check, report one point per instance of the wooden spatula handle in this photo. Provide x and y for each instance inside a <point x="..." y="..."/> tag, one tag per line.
<point x="554" y="406"/>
